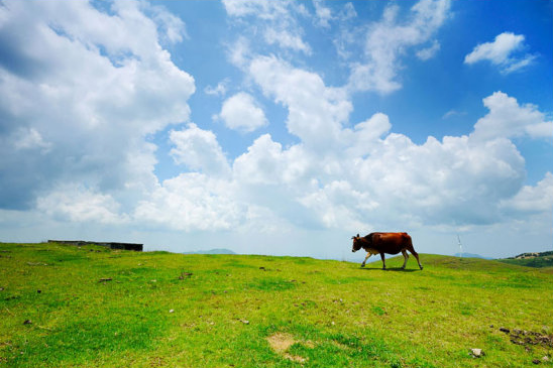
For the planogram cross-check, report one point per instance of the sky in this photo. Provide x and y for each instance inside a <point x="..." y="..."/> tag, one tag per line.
<point x="278" y="127"/>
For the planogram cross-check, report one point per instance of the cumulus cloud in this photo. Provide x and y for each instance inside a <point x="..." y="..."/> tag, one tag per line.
<point x="80" y="100"/>
<point x="85" y="87"/>
<point x="387" y="40"/>
<point x="315" y="112"/>
<point x="191" y="202"/>
<point x="77" y="204"/>
<point x="506" y="118"/>
<point x="532" y="199"/>
<point x="501" y="52"/>
<point x="199" y="150"/>
<point x="241" y="112"/>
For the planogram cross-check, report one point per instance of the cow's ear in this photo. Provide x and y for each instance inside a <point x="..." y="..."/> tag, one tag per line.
<point x="358" y="235"/>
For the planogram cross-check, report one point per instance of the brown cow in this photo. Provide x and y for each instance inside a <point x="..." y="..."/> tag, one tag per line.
<point x="385" y="243"/>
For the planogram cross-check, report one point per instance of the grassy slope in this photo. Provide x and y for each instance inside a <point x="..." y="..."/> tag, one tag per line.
<point x="537" y="262"/>
<point x="222" y="314"/>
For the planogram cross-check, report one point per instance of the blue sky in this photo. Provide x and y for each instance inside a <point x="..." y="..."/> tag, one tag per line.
<point x="280" y="127"/>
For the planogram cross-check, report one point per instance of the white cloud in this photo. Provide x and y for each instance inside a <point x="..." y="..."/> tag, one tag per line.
<point x="80" y="205"/>
<point x="198" y="150"/>
<point x="276" y="19"/>
<point x="191" y="202"/>
<point x="532" y="199"/>
<point x="29" y="139"/>
<point x="506" y="118"/>
<point x="86" y="87"/>
<point x="266" y="163"/>
<point x="387" y="40"/>
<point x="395" y="180"/>
<point x="219" y="90"/>
<point x="347" y="12"/>
<point x="428" y="53"/>
<point x="286" y="39"/>
<point x="241" y="112"/>
<point x="316" y="112"/>
<point x="323" y="14"/>
<point x="500" y="52"/>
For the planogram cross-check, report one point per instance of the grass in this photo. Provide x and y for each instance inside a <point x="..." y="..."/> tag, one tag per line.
<point x="95" y="307"/>
<point x="536" y="262"/>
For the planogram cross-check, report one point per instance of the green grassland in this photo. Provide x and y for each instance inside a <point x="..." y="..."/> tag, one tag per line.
<point x="64" y="306"/>
<point x="536" y="262"/>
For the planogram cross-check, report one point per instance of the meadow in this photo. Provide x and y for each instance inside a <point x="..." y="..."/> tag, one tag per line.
<point x="65" y="306"/>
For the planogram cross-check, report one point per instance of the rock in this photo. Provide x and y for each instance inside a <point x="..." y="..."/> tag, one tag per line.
<point x="545" y="358"/>
<point x="505" y="330"/>
<point x="476" y="352"/>
<point x="26" y="322"/>
<point x="244" y="321"/>
<point x="171" y="311"/>
<point x="536" y="361"/>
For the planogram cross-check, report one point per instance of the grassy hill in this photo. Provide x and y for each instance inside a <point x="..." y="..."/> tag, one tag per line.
<point x="64" y="306"/>
<point x="532" y="259"/>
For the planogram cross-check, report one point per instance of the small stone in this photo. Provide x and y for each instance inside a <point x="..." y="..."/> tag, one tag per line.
<point x="244" y="321"/>
<point x="536" y="361"/>
<point x="505" y="330"/>
<point x="477" y="352"/>
<point x="27" y="322"/>
<point x="39" y="291"/>
<point x="545" y="358"/>
<point x="171" y="311"/>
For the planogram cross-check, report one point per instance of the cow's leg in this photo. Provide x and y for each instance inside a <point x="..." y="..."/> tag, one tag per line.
<point x="367" y="257"/>
<point x="414" y="253"/>
<point x="405" y="254"/>
<point x="383" y="259"/>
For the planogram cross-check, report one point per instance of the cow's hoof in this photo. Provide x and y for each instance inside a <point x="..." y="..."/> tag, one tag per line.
<point x="363" y="265"/>
<point x="420" y="267"/>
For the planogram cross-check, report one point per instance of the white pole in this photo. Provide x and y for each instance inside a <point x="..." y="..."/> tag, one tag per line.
<point x="460" y="245"/>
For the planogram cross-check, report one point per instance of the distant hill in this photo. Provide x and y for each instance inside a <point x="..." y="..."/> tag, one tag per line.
<point x="531" y="259"/>
<point x="212" y="251"/>
<point x="467" y="255"/>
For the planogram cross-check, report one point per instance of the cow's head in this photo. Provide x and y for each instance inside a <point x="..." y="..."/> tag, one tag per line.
<point x="356" y="243"/>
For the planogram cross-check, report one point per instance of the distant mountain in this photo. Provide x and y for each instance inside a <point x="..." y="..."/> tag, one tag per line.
<point x="531" y="259"/>
<point x="212" y="251"/>
<point x="467" y="255"/>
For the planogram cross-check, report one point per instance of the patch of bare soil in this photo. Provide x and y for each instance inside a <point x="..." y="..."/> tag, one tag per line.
<point x="281" y="342"/>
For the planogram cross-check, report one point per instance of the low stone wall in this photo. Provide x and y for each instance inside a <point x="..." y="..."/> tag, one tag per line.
<point x="112" y="245"/>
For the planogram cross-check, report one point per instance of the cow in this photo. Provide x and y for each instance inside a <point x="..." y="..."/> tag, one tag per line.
<point x="385" y="243"/>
